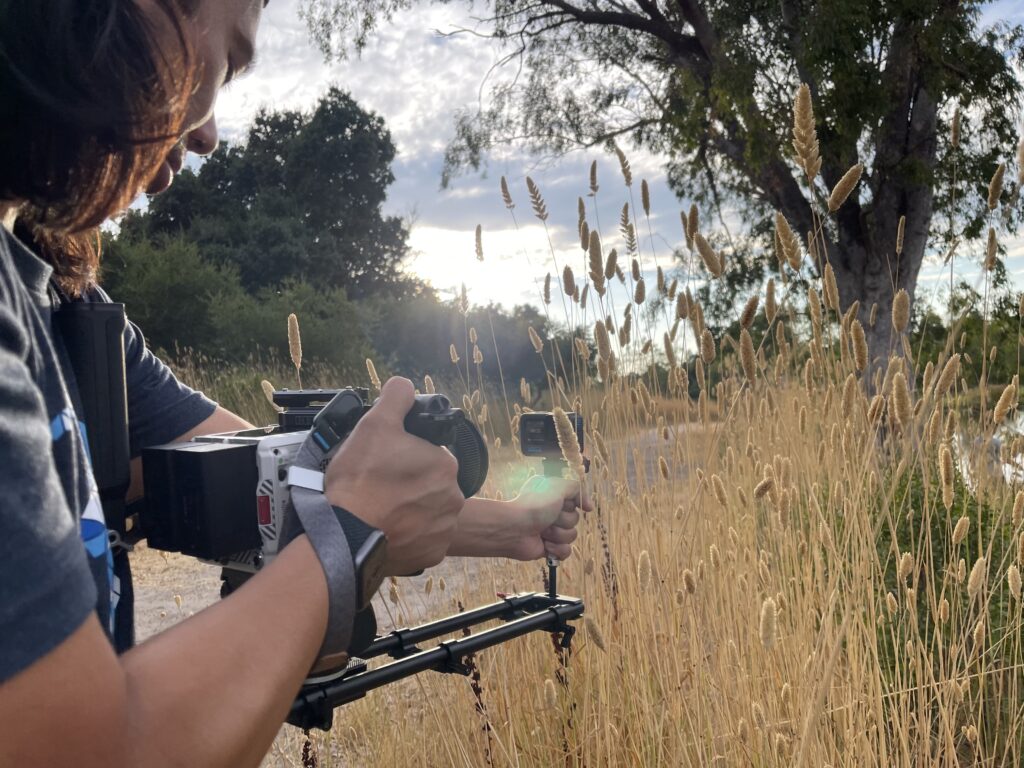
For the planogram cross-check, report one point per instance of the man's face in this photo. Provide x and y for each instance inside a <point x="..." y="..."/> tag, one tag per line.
<point x="223" y="36"/>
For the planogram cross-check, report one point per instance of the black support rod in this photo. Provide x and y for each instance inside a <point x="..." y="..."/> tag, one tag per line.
<point x="313" y="708"/>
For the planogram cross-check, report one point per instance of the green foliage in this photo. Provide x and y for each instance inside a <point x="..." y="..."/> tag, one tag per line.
<point x="299" y="200"/>
<point x="932" y="338"/>
<point x="181" y="300"/>
<point x="165" y="280"/>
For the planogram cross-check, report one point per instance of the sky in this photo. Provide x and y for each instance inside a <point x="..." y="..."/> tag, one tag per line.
<point x="418" y="79"/>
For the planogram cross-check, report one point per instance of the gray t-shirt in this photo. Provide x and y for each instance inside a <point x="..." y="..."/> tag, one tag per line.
<point x="56" y="566"/>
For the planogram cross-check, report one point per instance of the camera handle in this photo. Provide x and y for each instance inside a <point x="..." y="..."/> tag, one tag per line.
<point x="553" y="468"/>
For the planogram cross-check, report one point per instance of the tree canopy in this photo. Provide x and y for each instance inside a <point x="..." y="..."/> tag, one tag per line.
<point x="300" y="199"/>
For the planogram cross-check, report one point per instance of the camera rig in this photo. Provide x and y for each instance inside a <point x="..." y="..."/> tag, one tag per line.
<point x="222" y="498"/>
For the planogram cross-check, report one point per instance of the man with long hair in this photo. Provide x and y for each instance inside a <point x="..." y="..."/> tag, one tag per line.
<point x="99" y="100"/>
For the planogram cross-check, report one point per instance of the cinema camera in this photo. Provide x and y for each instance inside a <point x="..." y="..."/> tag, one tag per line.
<point x="222" y="499"/>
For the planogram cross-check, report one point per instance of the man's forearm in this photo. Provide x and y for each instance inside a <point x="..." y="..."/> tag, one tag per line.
<point x="226" y="677"/>
<point x="213" y="690"/>
<point x="487" y="528"/>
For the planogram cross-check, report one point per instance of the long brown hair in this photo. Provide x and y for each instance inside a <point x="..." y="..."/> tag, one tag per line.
<point x="93" y="94"/>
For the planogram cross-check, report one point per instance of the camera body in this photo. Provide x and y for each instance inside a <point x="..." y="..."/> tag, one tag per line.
<point x="222" y="498"/>
<point x="538" y="438"/>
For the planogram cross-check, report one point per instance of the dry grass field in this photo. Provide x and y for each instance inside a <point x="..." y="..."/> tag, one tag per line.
<point x="815" y="562"/>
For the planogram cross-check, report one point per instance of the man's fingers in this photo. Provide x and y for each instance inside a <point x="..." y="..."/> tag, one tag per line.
<point x="555" y="535"/>
<point x="396" y="399"/>
<point x="567" y="518"/>
<point x="560" y="552"/>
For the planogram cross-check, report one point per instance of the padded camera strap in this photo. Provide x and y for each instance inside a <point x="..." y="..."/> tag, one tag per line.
<point x="325" y="533"/>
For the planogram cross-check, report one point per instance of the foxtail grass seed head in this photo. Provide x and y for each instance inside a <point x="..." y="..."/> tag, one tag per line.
<point x="954" y="131"/>
<point x="1013" y="579"/>
<point x="805" y="139"/>
<point x="769" y="623"/>
<point x="1018" y="509"/>
<point x="640" y="291"/>
<point x="594" y="633"/>
<point x="946" y="475"/>
<point x="831" y="289"/>
<point x="547" y="288"/>
<point x="891" y="604"/>
<point x="506" y="195"/>
<point x="948" y="375"/>
<point x="1007" y="402"/>
<point x="568" y="281"/>
<point x="479" y="242"/>
<point x="663" y="467"/>
<point x="844" y="187"/>
<point x="712" y="262"/>
<point x="611" y="265"/>
<point x="906" y="567"/>
<point x="901" y="311"/>
<point x="903" y="410"/>
<point x="771" y="308"/>
<point x="634" y="268"/>
<point x="707" y="347"/>
<point x="683" y="306"/>
<point x="689" y="581"/>
<point x="627" y="172"/>
<point x="643" y="570"/>
<point x="294" y="341"/>
<point x="595" y="261"/>
<point x="978" y="577"/>
<point x="860" y="345"/>
<point x="538" y="344"/>
<point x="749" y="311"/>
<point x="453" y="354"/>
<point x="568" y="442"/>
<point x="372" y="371"/>
<point x="991" y="250"/>
<point x="943" y="611"/>
<point x="995" y="186"/>
<point x="645" y="197"/>
<point x="963" y="527"/>
<point x="901" y="230"/>
<point x="692" y="225"/>
<point x="670" y="352"/>
<point x="540" y="209"/>
<point x="584" y="234"/>
<point x="764" y="487"/>
<point x="747" y="357"/>
<point x="789" y="241"/>
<point x="979" y="640"/>
<point x="550" y="694"/>
<point x="268" y="392"/>
<point x="602" y="340"/>
<point x="718" y="486"/>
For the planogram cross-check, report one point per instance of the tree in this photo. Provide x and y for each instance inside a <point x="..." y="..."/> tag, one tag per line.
<point x="710" y="85"/>
<point x="299" y="200"/>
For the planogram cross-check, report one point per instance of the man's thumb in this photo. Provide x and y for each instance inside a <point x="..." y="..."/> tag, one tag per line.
<point x="396" y="400"/>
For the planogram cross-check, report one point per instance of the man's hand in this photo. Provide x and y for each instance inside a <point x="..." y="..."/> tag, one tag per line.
<point x="540" y="521"/>
<point x="398" y="483"/>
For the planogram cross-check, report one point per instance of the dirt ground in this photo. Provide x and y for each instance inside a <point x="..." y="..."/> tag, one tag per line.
<point x="171" y="587"/>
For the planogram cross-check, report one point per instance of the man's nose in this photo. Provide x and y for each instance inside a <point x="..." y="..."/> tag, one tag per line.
<point x="203" y="140"/>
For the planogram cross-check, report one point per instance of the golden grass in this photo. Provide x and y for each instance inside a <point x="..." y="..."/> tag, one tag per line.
<point x="776" y="573"/>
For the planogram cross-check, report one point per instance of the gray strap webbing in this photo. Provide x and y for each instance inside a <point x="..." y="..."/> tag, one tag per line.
<point x="321" y="525"/>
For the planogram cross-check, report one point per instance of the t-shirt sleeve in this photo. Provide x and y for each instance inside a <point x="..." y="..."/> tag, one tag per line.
<point x="160" y="408"/>
<point x="46" y="588"/>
